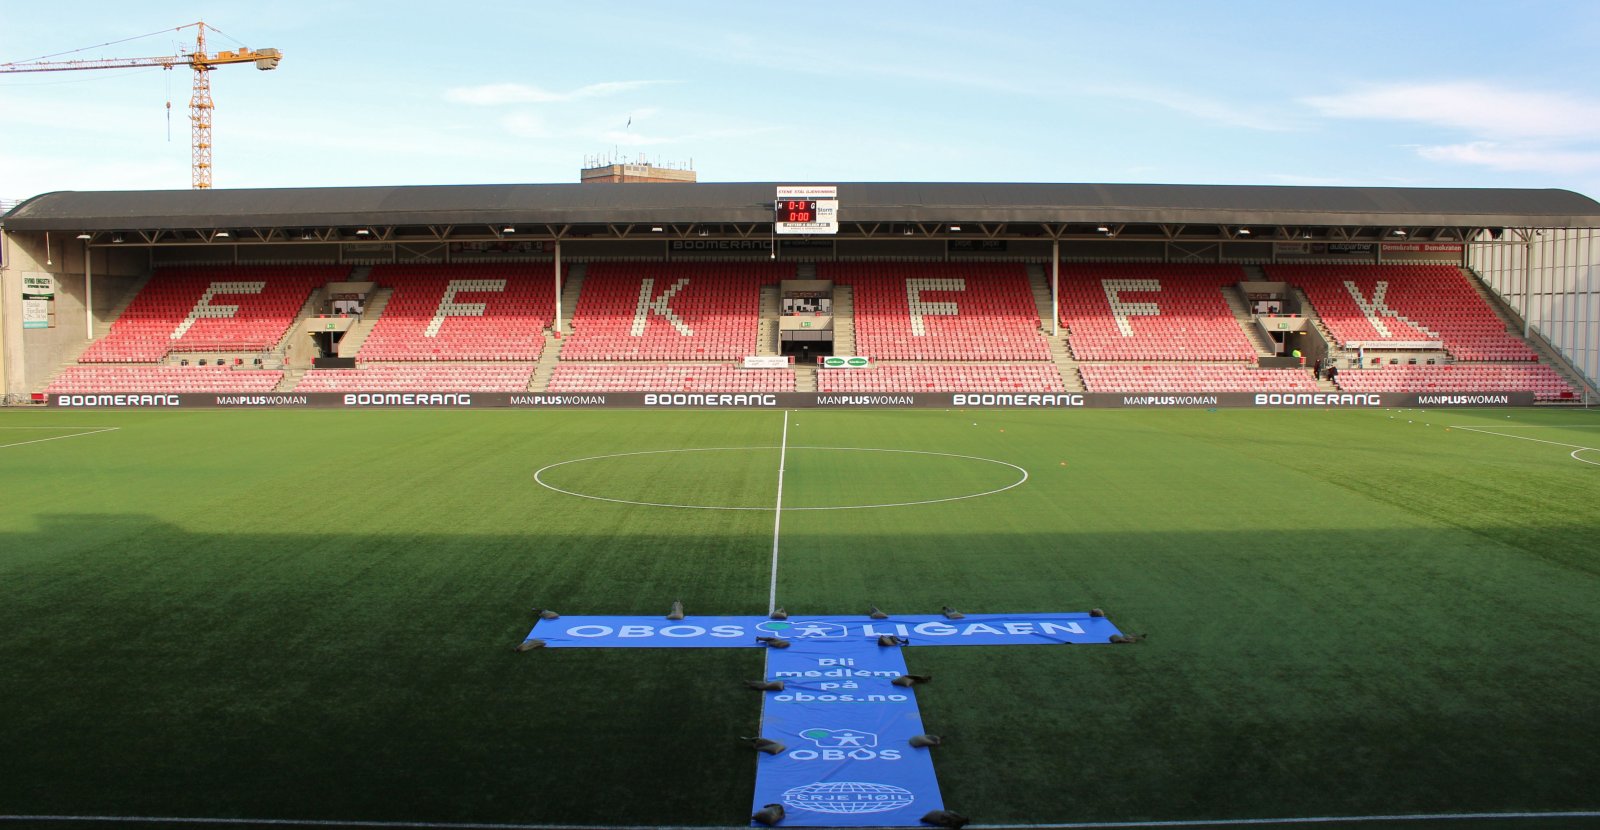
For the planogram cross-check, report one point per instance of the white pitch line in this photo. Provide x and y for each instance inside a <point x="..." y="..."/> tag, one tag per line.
<point x="295" y="822"/>
<point x="449" y="825"/>
<point x="777" y="516"/>
<point x="58" y="437"/>
<point x="538" y="477"/>
<point x="1577" y="448"/>
<point x="1235" y="822"/>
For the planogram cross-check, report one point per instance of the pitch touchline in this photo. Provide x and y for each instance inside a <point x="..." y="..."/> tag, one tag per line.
<point x="58" y="437"/>
<point x="1574" y="454"/>
<point x="448" y="825"/>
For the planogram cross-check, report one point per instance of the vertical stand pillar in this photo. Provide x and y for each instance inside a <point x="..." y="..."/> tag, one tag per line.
<point x="558" y="288"/>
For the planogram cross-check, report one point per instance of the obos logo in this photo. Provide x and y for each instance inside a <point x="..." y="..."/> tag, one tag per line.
<point x="805" y="629"/>
<point x="848" y="797"/>
<point x="840" y="737"/>
<point x="842" y="744"/>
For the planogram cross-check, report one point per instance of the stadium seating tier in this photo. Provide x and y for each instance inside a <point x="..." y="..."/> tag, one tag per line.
<point x="162" y="379"/>
<point x="671" y="377"/>
<point x="420" y="377"/>
<point x="1406" y="304"/>
<point x="1179" y="377"/>
<point x="943" y="377"/>
<point x="941" y="311"/>
<point x="461" y="312"/>
<point x="1142" y="312"/>
<point x="210" y="309"/>
<point x="670" y="311"/>
<point x="1543" y="381"/>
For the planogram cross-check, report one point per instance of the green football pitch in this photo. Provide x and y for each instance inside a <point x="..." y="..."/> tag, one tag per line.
<point x="309" y="615"/>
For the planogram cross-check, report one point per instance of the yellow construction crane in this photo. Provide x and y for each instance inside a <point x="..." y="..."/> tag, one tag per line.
<point x="199" y="103"/>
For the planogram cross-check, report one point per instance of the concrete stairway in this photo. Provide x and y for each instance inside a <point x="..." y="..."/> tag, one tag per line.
<point x="1040" y="282"/>
<point x="805" y="378"/>
<point x="844" y="319"/>
<point x="291" y="379"/>
<point x="569" y="295"/>
<point x="102" y="327"/>
<point x="358" y="333"/>
<point x="1341" y="357"/>
<point x="278" y="356"/>
<point x="1240" y="306"/>
<point x="546" y="368"/>
<point x="767" y="334"/>
<point x="1060" y="354"/>
<point x="1071" y="378"/>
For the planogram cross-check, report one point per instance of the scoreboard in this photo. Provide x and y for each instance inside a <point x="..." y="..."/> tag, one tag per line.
<point x="796" y="211"/>
<point x="806" y="210"/>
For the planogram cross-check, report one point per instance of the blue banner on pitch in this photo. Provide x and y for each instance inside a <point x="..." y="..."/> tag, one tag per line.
<point x="739" y="632"/>
<point x="846" y="730"/>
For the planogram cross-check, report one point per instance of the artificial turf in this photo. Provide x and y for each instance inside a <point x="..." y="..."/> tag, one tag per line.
<point x="309" y="615"/>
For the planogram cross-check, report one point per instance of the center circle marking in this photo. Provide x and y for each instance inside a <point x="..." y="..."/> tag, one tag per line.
<point x="538" y="477"/>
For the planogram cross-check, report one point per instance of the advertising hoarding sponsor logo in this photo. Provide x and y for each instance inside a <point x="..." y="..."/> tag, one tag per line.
<point x="805" y="629"/>
<point x="116" y="400"/>
<point x="840" y="738"/>
<point x="1169" y="400"/>
<point x="708" y="399"/>
<point x="557" y="400"/>
<point x="262" y="400"/>
<point x="1009" y="399"/>
<point x="846" y="361"/>
<point x="408" y="399"/>
<point x="1463" y="399"/>
<point x="720" y="244"/>
<point x="1423" y="247"/>
<point x="1317" y="399"/>
<point x="848" y="797"/>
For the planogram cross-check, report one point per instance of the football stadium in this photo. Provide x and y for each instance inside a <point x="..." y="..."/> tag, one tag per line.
<point x="669" y="504"/>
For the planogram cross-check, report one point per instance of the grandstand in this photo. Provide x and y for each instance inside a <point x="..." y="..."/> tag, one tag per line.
<point x="657" y="294"/>
<point x="1332" y="584"/>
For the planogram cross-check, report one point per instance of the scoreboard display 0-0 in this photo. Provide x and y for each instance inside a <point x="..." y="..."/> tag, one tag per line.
<point x="796" y="210"/>
<point x="806" y="209"/>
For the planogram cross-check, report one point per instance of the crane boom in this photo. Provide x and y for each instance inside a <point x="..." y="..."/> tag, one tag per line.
<point x="200" y="105"/>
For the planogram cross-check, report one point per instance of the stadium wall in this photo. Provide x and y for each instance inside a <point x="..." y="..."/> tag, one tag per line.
<point x="32" y="355"/>
<point x="1551" y="278"/>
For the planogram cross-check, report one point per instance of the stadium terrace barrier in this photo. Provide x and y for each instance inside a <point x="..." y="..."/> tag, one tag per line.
<point x="790" y="400"/>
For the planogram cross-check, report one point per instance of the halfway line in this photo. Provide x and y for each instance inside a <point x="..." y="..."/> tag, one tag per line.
<point x="777" y="517"/>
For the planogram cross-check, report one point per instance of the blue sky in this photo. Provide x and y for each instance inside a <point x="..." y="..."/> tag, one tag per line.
<point x="1453" y="94"/>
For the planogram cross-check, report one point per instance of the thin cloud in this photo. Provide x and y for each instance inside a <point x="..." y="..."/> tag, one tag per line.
<point x="625" y="137"/>
<point x="1513" y="158"/>
<point x="1481" y="109"/>
<point x="511" y="93"/>
<point x="1209" y="109"/>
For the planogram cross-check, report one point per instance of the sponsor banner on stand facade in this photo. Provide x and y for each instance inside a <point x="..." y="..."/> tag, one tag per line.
<point x="845" y="361"/>
<point x="741" y="632"/>
<point x="766" y="361"/>
<point x="38" y="291"/>
<point x="784" y="400"/>
<point x="846" y="730"/>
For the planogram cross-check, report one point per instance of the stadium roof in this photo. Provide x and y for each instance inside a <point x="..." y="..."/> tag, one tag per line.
<point x="558" y="205"/>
